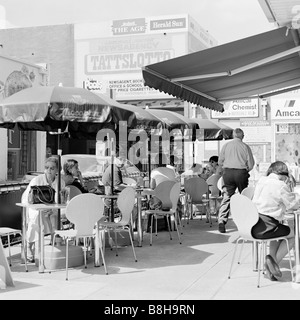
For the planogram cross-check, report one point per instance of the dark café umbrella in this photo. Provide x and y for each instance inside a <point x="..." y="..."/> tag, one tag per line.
<point x="79" y="111"/>
<point x="55" y="108"/>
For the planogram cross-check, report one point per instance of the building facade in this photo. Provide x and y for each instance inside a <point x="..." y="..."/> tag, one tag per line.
<point x="106" y="57"/>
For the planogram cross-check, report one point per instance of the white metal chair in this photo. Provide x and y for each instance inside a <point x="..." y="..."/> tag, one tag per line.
<point x="248" y="192"/>
<point x="168" y="193"/>
<point x="7" y="232"/>
<point x="198" y="194"/>
<point x="125" y="203"/>
<point x="84" y="211"/>
<point x="245" y="216"/>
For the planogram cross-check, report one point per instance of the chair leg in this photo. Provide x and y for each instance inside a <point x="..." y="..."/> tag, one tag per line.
<point x="151" y="229"/>
<point x="290" y="260"/>
<point x="9" y="252"/>
<point x="179" y="224"/>
<point x="102" y="248"/>
<point x="128" y="229"/>
<point x="53" y="242"/>
<point x="169" y="228"/>
<point x="116" y="243"/>
<point x="233" y="256"/>
<point x="240" y="255"/>
<point x="176" y="226"/>
<point x="67" y="257"/>
<point x="260" y="261"/>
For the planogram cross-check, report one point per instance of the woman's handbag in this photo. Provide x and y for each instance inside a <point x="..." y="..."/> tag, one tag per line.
<point x="41" y="194"/>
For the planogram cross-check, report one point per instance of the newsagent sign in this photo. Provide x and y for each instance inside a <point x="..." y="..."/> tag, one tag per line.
<point x="246" y="108"/>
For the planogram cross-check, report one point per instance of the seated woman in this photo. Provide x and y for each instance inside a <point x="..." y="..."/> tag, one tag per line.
<point x="49" y="217"/>
<point x="273" y="198"/>
<point x="73" y="176"/>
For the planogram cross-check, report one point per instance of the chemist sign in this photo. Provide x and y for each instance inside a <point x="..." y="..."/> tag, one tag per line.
<point x="246" y="108"/>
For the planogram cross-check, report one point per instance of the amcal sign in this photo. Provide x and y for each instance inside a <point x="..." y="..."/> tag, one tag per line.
<point x="285" y="109"/>
<point x="128" y="61"/>
<point x="129" y="26"/>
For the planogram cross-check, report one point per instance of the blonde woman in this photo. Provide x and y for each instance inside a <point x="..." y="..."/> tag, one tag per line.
<point x="49" y="217"/>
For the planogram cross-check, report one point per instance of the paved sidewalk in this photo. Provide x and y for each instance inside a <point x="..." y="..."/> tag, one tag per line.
<point x="195" y="270"/>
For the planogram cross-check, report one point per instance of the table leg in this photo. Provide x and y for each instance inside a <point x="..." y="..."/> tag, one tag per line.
<point x="297" y="247"/>
<point x="97" y="246"/>
<point x="139" y="220"/>
<point x="255" y="256"/>
<point x="24" y="238"/>
<point x="41" y="244"/>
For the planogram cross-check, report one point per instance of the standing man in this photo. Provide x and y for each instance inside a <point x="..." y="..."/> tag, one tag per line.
<point x="236" y="160"/>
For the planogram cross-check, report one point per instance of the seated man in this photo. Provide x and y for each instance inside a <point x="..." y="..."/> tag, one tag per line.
<point x="117" y="176"/>
<point x="161" y="172"/>
<point x="195" y="171"/>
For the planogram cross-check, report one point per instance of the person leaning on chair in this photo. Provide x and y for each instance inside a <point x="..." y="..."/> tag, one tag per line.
<point x="236" y="160"/>
<point x="272" y="197"/>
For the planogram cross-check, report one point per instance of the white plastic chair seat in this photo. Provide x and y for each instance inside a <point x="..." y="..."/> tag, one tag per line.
<point x="6" y="231"/>
<point x="71" y="233"/>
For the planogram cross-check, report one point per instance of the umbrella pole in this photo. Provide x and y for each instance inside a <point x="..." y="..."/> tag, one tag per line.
<point x="112" y="213"/>
<point x="149" y="160"/>
<point x="59" y="152"/>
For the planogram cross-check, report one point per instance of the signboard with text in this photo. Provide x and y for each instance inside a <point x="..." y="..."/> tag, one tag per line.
<point x="246" y="108"/>
<point x="285" y="109"/>
<point x="110" y="55"/>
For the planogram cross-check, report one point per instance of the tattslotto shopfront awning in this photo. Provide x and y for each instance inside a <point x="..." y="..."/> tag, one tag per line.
<point x="241" y="69"/>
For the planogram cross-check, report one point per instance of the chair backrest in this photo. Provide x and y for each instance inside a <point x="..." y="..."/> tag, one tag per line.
<point x="220" y="184"/>
<point x="125" y="203"/>
<point x="163" y="191"/>
<point x="248" y="192"/>
<point x="174" y="195"/>
<point x="244" y="214"/>
<point x="73" y="191"/>
<point x="212" y="182"/>
<point x="196" y="187"/>
<point x="84" y="211"/>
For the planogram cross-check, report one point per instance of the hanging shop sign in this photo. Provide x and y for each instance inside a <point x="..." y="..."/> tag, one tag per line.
<point x="246" y="108"/>
<point x="285" y="109"/>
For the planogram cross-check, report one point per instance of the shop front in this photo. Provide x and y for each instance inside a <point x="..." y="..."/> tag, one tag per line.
<point x="285" y="115"/>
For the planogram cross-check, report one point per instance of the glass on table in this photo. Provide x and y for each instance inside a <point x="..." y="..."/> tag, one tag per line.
<point x="65" y="195"/>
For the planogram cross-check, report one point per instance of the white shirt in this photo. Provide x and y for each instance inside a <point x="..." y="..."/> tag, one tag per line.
<point x="161" y="174"/>
<point x="236" y="154"/>
<point x="273" y="197"/>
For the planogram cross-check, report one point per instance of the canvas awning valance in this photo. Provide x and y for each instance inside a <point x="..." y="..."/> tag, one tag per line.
<point x="241" y="69"/>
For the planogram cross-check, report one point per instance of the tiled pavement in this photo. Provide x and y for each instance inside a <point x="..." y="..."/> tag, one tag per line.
<point x="195" y="270"/>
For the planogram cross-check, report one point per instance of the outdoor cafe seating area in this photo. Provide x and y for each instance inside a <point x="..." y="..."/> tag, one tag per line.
<point x="107" y="231"/>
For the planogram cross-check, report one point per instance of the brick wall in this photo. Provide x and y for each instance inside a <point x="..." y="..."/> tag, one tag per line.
<point x="53" y="45"/>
